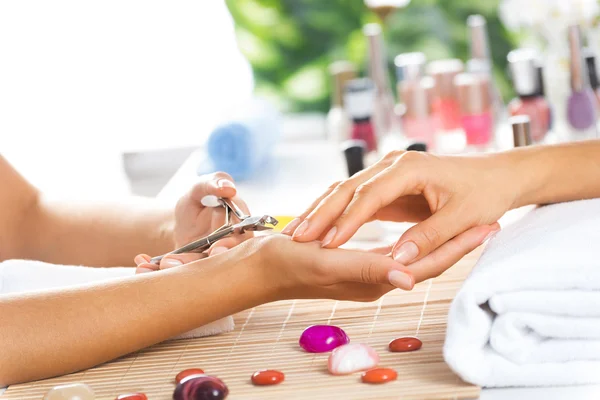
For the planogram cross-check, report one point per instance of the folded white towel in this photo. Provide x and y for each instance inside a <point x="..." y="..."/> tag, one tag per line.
<point x="26" y="276"/>
<point x="529" y="313"/>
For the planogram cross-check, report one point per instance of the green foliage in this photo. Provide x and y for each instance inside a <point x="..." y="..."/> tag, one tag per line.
<point x="290" y="43"/>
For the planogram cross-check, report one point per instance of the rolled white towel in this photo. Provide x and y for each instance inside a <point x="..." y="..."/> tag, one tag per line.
<point x="17" y="276"/>
<point x="529" y="313"/>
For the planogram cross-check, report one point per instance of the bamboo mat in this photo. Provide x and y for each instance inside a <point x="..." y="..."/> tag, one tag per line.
<point x="266" y="337"/>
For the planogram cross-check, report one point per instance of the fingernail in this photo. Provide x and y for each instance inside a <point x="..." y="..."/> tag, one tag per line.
<point x="289" y="228"/>
<point x="406" y="253"/>
<point x="143" y="270"/>
<point x="139" y="259"/>
<point x="401" y="280"/>
<point x="218" y="250"/>
<point x="489" y="236"/>
<point x="301" y="229"/>
<point x="225" y="183"/>
<point x="329" y="237"/>
<point x="172" y="262"/>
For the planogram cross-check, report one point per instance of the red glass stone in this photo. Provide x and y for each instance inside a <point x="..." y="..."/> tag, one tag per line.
<point x="379" y="375"/>
<point x="267" y="377"/>
<point x="200" y="387"/>
<point x="187" y="372"/>
<point x="132" y="396"/>
<point x="404" y="344"/>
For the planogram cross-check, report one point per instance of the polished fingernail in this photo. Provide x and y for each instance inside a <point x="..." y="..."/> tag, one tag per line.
<point x="301" y="229"/>
<point x="172" y="262"/>
<point x="401" y="280"/>
<point x="489" y="236"/>
<point x="225" y="183"/>
<point x="329" y="237"/>
<point x="143" y="270"/>
<point x="406" y="253"/>
<point x="139" y="259"/>
<point x="218" y="250"/>
<point x="289" y="228"/>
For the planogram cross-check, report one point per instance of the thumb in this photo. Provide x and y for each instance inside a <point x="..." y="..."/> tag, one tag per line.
<point x="426" y="236"/>
<point x="365" y="267"/>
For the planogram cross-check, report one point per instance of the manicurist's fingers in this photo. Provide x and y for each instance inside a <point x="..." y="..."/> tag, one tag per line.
<point x="218" y="184"/>
<point x="451" y="252"/>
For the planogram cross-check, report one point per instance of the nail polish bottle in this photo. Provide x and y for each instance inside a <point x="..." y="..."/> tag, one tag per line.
<point x="476" y="109"/>
<point x="359" y="99"/>
<point x="521" y="129"/>
<point x="581" y="105"/>
<point x="540" y="74"/>
<point x="531" y="102"/>
<point x="418" y="122"/>
<point x="590" y="61"/>
<point x="339" y="124"/>
<point x="383" y="111"/>
<point x="410" y="66"/>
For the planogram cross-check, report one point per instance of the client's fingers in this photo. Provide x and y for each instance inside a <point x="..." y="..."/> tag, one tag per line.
<point x="221" y="246"/>
<point x="451" y="252"/>
<point x="175" y="260"/>
<point x="142" y="261"/>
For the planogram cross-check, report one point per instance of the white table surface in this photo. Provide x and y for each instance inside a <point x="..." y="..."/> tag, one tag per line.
<point x="299" y="174"/>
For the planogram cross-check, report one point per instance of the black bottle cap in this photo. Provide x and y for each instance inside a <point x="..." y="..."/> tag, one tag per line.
<point x="354" y="151"/>
<point x="590" y="60"/>
<point x="540" y="76"/>
<point x="417" y="146"/>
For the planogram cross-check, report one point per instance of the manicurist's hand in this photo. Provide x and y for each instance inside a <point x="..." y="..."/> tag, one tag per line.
<point x="447" y="196"/>
<point x="194" y="220"/>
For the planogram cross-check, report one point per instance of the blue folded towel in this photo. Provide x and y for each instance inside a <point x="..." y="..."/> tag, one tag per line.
<point x="245" y="142"/>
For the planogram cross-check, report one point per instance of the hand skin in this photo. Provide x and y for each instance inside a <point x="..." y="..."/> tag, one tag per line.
<point x="79" y="327"/>
<point x="103" y="234"/>
<point x="448" y="195"/>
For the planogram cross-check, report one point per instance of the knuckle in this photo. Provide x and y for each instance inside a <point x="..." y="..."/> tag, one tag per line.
<point x="221" y="175"/>
<point x="333" y="185"/>
<point x="394" y="155"/>
<point x="430" y="235"/>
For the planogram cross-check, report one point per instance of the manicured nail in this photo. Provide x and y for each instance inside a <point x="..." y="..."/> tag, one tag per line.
<point x="225" y="183"/>
<point x="401" y="280"/>
<point x="172" y="262"/>
<point x="218" y="250"/>
<point x="406" y="253"/>
<point x="489" y="236"/>
<point x="143" y="270"/>
<point x="291" y="227"/>
<point x="301" y="229"/>
<point x="329" y="237"/>
<point x="140" y="259"/>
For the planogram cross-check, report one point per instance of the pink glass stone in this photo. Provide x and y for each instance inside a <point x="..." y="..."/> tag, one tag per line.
<point x="351" y="358"/>
<point x="200" y="387"/>
<point x="322" y="338"/>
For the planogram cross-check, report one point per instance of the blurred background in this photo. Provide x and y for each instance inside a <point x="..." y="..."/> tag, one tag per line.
<point x="104" y="99"/>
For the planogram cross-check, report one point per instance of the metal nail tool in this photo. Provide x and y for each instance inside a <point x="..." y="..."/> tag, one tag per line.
<point x="246" y="223"/>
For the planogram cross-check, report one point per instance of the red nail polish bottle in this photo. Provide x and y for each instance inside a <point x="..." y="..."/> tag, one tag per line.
<point x="359" y="98"/>
<point x="531" y="101"/>
<point x="444" y="102"/>
<point x="476" y="109"/>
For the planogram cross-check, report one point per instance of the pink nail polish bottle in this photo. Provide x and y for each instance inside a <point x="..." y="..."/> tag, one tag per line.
<point x="418" y="122"/>
<point x="359" y="97"/>
<point x="476" y="109"/>
<point x="531" y="101"/>
<point x="444" y="103"/>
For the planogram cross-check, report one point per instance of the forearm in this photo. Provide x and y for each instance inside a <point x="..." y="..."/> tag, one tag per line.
<point x="54" y="333"/>
<point x="553" y="174"/>
<point x="95" y="234"/>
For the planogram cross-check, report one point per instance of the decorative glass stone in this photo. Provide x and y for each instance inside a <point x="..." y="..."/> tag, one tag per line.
<point x="404" y="344"/>
<point x="132" y="396"/>
<point x="187" y="372"/>
<point x="322" y="338"/>
<point x="267" y="377"/>
<point x="200" y="387"/>
<point x="72" y="391"/>
<point x="351" y="358"/>
<point x="379" y="375"/>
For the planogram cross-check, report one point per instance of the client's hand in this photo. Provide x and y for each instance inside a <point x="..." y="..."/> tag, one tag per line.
<point x="448" y="196"/>
<point x="193" y="220"/>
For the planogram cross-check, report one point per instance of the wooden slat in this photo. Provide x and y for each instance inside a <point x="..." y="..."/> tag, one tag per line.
<point x="267" y="337"/>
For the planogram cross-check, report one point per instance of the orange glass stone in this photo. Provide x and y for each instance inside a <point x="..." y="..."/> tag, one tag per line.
<point x="267" y="377"/>
<point x="187" y="372"/>
<point x="132" y="396"/>
<point x="403" y="344"/>
<point x="379" y="375"/>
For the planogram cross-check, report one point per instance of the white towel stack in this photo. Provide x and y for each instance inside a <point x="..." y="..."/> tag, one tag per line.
<point x="529" y="313"/>
<point x="17" y="276"/>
